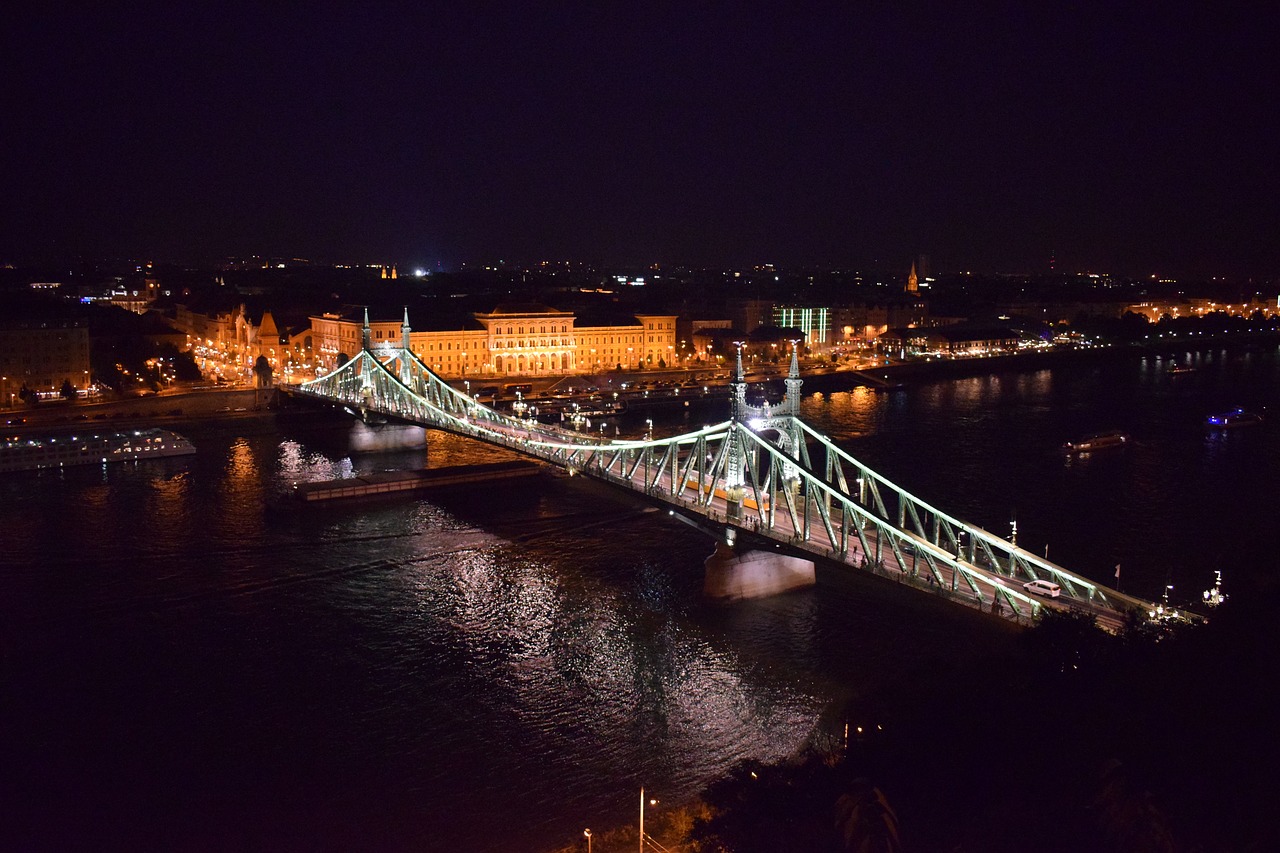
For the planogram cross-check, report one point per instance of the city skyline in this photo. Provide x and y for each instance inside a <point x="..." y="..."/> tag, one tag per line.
<point x="1123" y="140"/>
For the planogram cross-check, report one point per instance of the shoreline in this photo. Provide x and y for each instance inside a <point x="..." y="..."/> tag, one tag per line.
<point x="1037" y="360"/>
<point x="234" y="404"/>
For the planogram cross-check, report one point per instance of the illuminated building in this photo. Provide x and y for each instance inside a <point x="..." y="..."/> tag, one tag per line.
<point x="41" y="356"/>
<point x="813" y="323"/>
<point x="515" y="339"/>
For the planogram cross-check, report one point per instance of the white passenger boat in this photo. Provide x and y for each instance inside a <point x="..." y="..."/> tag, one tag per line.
<point x="29" y="452"/>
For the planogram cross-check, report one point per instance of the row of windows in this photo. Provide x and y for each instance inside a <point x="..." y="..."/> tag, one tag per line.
<point x="553" y="342"/>
<point x="542" y="330"/>
<point x="34" y="359"/>
<point x="588" y="340"/>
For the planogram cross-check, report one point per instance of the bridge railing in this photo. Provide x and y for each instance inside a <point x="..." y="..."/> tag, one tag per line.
<point x="784" y="495"/>
<point x="949" y="533"/>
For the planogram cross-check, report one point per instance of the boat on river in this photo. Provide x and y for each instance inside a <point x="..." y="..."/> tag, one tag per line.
<point x="1097" y="441"/>
<point x="27" y="453"/>
<point x="1233" y="420"/>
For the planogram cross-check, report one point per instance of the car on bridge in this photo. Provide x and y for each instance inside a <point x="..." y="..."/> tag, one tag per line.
<point x="1039" y="587"/>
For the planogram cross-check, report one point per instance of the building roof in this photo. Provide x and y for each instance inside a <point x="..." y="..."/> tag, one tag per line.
<point x="953" y="333"/>
<point x="524" y="308"/>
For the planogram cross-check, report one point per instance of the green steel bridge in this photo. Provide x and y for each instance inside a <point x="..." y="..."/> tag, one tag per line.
<point x="762" y="478"/>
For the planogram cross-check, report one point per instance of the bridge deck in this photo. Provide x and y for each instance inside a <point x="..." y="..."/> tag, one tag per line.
<point x="730" y="478"/>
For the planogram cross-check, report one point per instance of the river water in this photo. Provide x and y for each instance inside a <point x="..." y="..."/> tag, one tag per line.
<point x="192" y="661"/>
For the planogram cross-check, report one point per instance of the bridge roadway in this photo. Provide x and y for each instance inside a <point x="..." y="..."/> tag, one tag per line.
<point x="785" y="535"/>
<point x="531" y="438"/>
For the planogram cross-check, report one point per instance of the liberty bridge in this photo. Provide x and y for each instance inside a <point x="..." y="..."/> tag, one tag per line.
<point x="774" y="493"/>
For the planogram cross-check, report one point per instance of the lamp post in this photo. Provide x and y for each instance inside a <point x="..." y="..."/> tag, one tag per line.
<point x="652" y="803"/>
<point x="587" y="834"/>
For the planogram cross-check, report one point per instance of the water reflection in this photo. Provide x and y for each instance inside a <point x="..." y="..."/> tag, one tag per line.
<point x="294" y="464"/>
<point x="241" y="492"/>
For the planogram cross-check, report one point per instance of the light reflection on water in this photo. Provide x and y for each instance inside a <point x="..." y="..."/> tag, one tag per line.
<point x="538" y="651"/>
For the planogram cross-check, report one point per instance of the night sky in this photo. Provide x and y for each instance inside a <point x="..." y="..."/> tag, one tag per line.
<point x="1128" y="137"/>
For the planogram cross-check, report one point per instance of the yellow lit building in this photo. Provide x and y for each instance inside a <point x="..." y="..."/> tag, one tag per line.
<point x="515" y="339"/>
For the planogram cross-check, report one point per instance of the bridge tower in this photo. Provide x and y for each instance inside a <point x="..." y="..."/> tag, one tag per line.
<point x="366" y="335"/>
<point x="794" y="382"/>
<point x="406" y="375"/>
<point x="735" y="571"/>
<point x="735" y="469"/>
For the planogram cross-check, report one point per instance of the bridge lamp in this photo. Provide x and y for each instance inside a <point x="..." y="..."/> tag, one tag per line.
<point x="586" y="833"/>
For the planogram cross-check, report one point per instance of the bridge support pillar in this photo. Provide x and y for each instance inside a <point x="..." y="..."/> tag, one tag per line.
<point x="733" y="575"/>
<point x="372" y="438"/>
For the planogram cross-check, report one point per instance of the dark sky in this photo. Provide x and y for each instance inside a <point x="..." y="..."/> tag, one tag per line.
<point x="1131" y="137"/>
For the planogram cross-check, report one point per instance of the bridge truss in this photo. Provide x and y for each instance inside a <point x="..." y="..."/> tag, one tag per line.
<point x="762" y="475"/>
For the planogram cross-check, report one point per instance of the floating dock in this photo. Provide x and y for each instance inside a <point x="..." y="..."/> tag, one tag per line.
<point x="393" y="482"/>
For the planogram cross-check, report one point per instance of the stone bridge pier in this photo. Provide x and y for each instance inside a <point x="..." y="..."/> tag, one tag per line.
<point x="736" y="573"/>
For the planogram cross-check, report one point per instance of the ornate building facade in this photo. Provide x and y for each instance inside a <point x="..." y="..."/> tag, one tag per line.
<point x="515" y="339"/>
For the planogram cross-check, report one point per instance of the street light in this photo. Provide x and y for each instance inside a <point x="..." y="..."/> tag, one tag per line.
<point x="587" y="833"/>
<point x="652" y="803"/>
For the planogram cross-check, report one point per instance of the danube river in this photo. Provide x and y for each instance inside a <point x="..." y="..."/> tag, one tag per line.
<point x="192" y="661"/>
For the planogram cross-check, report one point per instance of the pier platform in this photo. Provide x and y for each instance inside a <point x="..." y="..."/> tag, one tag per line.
<point x="392" y="482"/>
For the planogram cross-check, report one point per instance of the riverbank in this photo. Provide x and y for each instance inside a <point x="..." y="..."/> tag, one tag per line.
<point x="168" y="408"/>
<point x="929" y="369"/>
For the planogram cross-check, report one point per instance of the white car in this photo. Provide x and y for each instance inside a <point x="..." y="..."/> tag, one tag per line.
<point x="1048" y="588"/>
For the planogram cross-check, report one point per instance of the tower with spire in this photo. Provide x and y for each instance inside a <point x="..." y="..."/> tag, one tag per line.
<point x="913" y="282"/>
<point x="794" y="382"/>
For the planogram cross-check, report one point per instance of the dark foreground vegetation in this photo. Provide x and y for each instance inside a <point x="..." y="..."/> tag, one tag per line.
<point x="1077" y="740"/>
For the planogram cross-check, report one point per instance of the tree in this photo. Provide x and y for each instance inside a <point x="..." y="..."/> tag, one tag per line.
<point x="68" y="391"/>
<point x="866" y="821"/>
<point x="1127" y="813"/>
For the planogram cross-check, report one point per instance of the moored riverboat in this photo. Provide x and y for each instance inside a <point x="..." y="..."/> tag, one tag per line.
<point x="27" y="453"/>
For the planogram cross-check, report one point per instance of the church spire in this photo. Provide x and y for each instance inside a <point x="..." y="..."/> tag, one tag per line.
<point x="913" y="282"/>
